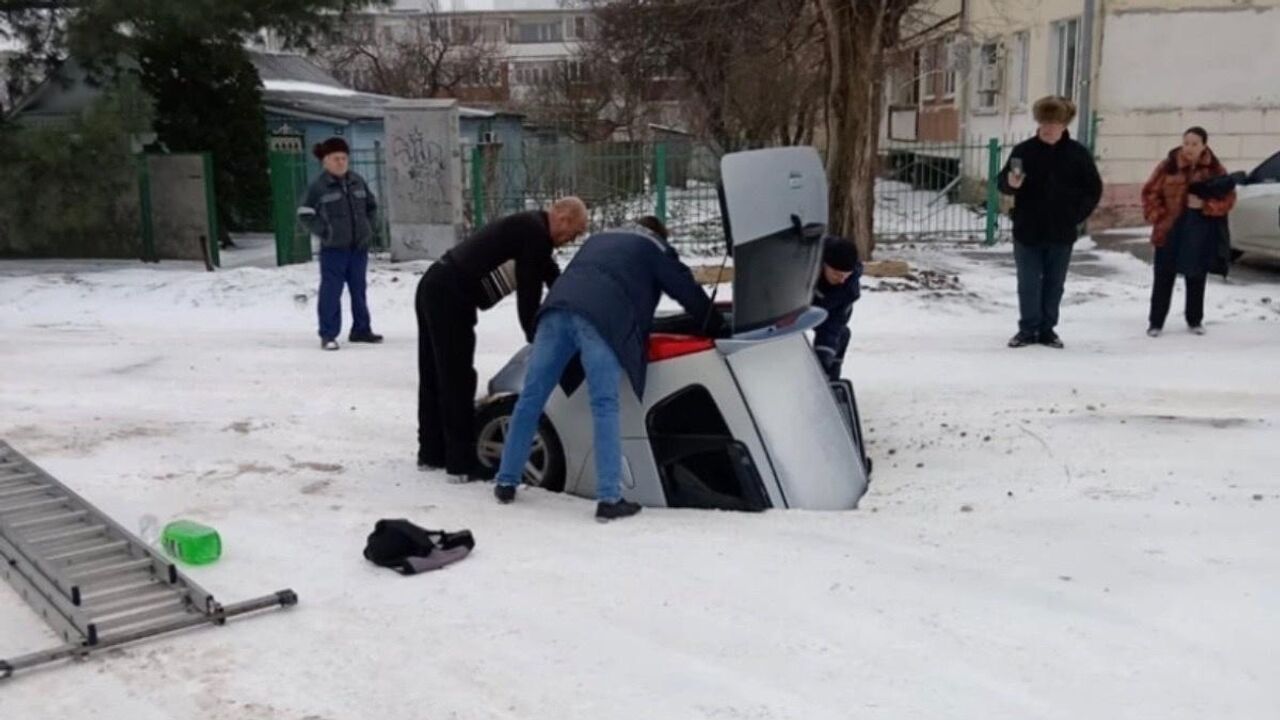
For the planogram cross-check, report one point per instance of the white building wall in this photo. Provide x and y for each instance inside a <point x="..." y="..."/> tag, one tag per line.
<point x="1170" y="65"/>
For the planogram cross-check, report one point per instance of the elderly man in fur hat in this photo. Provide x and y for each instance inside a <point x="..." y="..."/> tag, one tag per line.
<point x="1055" y="186"/>
<point x="341" y="212"/>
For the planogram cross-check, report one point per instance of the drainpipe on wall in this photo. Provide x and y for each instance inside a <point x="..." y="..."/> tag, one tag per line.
<point x="1085" y="107"/>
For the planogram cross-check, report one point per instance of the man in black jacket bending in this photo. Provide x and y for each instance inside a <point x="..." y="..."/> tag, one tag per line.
<point x="1055" y="186"/>
<point x="512" y="254"/>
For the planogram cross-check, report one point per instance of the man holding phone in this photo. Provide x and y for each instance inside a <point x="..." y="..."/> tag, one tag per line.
<point x="1055" y="186"/>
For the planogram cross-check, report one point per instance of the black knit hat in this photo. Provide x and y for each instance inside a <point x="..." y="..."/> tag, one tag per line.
<point x="331" y="146"/>
<point x="840" y="254"/>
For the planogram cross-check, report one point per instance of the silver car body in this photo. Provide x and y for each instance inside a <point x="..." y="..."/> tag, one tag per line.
<point x="744" y="422"/>
<point x="1255" y="221"/>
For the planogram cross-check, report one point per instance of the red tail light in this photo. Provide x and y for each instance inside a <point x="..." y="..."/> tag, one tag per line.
<point x="664" y="346"/>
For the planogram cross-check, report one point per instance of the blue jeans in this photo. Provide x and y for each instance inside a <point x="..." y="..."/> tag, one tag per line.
<point x="560" y="336"/>
<point x="1042" y="274"/>
<point x="338" y="267"/>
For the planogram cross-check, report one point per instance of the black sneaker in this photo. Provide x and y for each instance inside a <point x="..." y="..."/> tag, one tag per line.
<point x="615" y="510"/>
<point x="1022" y="340"/>
<point x="504" y="493"/>
<point x="371" y="338"/>
<point x="1051" y="339"/>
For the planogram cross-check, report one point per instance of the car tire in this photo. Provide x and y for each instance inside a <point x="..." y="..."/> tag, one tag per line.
<point x="546" y="466"/>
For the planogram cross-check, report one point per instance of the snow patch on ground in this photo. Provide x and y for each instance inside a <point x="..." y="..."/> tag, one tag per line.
<point x="1049" y="534"/>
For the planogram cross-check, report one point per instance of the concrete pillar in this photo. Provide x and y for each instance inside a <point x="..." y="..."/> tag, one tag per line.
<point x="424" y="178"/>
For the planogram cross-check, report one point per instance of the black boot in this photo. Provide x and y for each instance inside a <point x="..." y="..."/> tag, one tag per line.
<point x="615" y="510"/>
<point x="1051" y="339"/>
<point x="371" y="338"/>
<point x="504" y="493"/>
<point x="1022" y="339"/>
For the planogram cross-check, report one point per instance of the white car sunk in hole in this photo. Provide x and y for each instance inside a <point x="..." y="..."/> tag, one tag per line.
<point x="744" y="422"/>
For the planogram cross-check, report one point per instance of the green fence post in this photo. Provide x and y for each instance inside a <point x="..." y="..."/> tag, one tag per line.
<point x="144" y="209"/>
<point x="284" y="214"/>
<point x="211" y="207"/>
<point x="477" y="188"/>
<point x="660" y="179"/>
<point x="993" y="189"/>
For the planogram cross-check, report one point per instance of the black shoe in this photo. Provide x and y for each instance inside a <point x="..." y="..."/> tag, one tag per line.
<point x="504" y="493"/>
<point x="426" y="465"/>
<point x="1051" y="339"/>
<point x="371" y="338"/>
<point x="615" y="510"/>
<point x="1022" y="340"/>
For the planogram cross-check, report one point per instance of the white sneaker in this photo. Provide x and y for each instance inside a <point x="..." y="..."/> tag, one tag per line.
<point x="1153" y="332"/>
<point x="329" y="345"/>
<point x="1197" y="329"/>
<point x="458" y="479"/>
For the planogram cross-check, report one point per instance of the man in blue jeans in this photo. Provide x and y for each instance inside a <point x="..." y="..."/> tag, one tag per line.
<point x="602" y="308"/>
<point x="341" y="212"/>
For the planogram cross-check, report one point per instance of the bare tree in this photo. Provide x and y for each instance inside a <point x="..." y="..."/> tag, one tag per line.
<point x="426" y="56"/>
<point x="860" y="37"/>
<point x="749" y="71"/>
<point x="590" y="97"/>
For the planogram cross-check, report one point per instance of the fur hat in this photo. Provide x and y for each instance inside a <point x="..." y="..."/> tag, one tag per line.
<point x="329" y="147"/>
<point x="840" y="254"/>
<point x="1054" y="109"/>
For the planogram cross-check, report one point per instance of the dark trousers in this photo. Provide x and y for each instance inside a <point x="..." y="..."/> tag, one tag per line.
<point x="1042" y="274"/>
<point x="339" y="267"/>
<point x="1166" y="275"/>
<point x="446" y="372"/>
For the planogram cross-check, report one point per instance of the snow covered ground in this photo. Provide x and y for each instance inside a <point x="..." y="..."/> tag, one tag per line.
<point x="1087" y="533"/>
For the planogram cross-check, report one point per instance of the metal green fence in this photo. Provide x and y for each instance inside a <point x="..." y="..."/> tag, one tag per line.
<point x="619" y="182"/>
<point x="291" y="175"/>
<point x="924" y="191"/>
<point x="940" y="191"/>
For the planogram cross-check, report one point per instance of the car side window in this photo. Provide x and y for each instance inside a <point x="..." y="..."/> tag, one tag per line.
<point x="1267" y="172"/>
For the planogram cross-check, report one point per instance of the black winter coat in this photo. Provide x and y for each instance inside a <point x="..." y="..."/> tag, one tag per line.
<point x="1060" y="190"/>
<point x="615" y="282"/>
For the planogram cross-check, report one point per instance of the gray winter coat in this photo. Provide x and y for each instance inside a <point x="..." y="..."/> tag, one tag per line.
<point x="341" y="211"/>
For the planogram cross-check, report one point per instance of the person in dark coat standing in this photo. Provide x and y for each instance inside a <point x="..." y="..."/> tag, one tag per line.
<point x="341" y="211"/>
<point x="1055" y="186"/>
<point x="1186" y="228"/>
<point x="837" y="289"/>
<point x="512" y="254"/>
<point x="601" y="309"/>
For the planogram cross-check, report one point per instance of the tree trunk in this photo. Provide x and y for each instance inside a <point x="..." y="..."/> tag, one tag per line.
<point x="856" y="33"/>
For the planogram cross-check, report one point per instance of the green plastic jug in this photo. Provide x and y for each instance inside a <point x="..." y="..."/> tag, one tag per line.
<point x="191" y="542"/>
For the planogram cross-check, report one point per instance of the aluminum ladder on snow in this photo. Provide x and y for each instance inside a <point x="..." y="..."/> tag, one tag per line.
<point x="95" y="583"/>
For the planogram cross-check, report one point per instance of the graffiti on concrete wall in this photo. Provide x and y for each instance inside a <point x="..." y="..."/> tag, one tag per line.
<point x="424" y="163"/>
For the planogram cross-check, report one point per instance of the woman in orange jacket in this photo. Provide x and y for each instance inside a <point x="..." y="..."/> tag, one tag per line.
<point x="1186" y="228"/>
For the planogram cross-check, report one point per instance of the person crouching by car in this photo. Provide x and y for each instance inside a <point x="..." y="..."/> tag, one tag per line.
<point x="341" y="212"/>
<point x="838" y="288"/>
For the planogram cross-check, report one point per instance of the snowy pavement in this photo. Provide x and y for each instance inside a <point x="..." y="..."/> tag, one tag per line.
<point x="1086" y="533"/>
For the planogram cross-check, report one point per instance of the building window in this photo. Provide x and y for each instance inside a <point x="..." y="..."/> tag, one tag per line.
<point x="539" y="32"/>
<point x="1065" y="61"/>
<point x="578" y="27"/>
<point x="988" y="87"/>
<point x="1020" y="63"/>
<point x="931" y="54"/>
<point x="906" y="82"/>
<point x="949" y="75"/>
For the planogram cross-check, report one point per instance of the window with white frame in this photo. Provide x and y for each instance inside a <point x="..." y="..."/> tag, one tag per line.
<point x="950" y="49"/>
<point x="539" y="32"/>
<point x="1064" y="37"/>
<point x="988" y="81"/>
<point x="906" y="82"/>
<point x="1019" y="65"/>
<point x="931" y="58"/>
